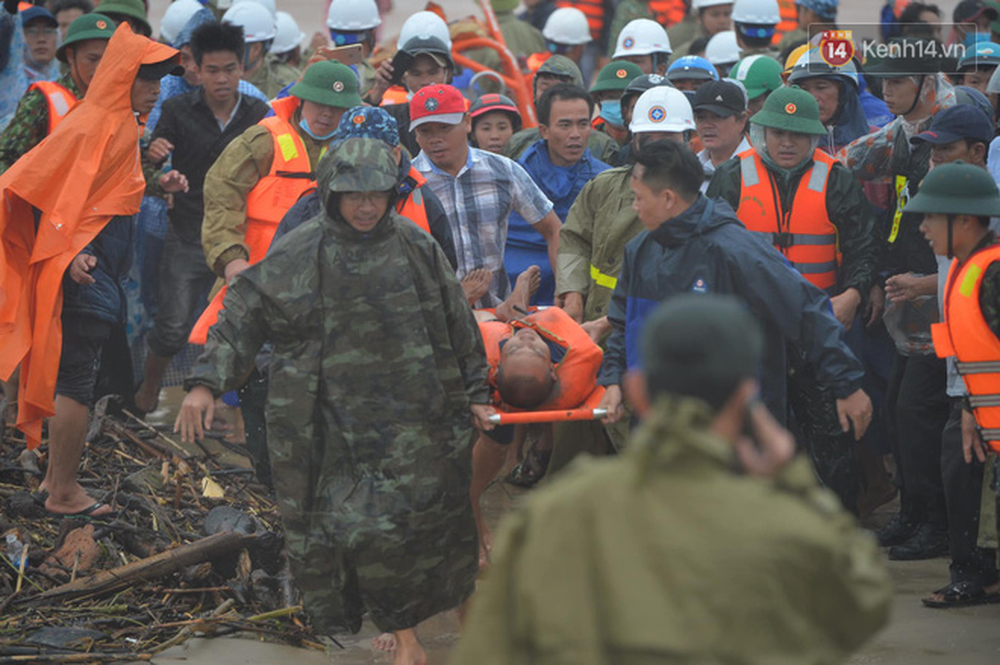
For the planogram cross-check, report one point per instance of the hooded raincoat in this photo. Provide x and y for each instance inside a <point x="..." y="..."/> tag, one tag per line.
<point x="376" y="358"/>
<point x="98" y="142"/>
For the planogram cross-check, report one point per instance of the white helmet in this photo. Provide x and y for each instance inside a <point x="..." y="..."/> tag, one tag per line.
<point x="269" y="5"/>
<point x="424" y="25"/>
<point x="662" y="109"/>
<point x="256" y="21"/>
<point x="642" y="36"/>
<point x="353" y="15"/>
<point x="702" y="4"/>
<point x="288" y="37"/>
<point x="567" y="25"/>
<point x="756" y="12"/>
<point x="722" y="48"/>
<point x="176" y="17"/>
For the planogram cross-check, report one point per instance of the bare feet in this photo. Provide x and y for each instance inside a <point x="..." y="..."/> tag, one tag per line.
<point x="73" y="500"/>
<point x="485" y="547"/>
<point x="527" y="285"/>
<point x="476" y="284"/>
<point x="384" y="642"/>
<point x="145" y="400"/>
<point x="408" y="649"/>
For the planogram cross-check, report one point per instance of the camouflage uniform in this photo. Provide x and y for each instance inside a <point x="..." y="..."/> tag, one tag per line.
<point x="273" y="75"/>
<point x="30" y="124"/>
<point x="376" y="358"/>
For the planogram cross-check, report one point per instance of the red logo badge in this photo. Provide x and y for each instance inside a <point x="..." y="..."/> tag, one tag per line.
<point x="101" y="25"/>
<point x="836" y="47"/>
<point x="790" y="108"/>
<point x="621" y="73"/>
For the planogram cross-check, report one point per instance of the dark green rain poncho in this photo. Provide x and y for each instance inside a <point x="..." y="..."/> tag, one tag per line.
<point x="376" y="358"/>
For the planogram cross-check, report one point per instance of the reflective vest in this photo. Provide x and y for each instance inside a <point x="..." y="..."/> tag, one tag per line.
<point x="789" y="19"/>
<point x="59" y="101"/>
<point x="412" y="205"/>
<point x="576" y="373"/>
<point x="965" y="335"/>
<point x="668" y="12"/>
<point x="804" y="234"/>
<point x="395" y="95"/>
<point x="593" y="10"/>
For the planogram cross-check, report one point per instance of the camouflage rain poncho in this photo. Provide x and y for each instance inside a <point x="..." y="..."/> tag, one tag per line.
<point x="376" y="357"/>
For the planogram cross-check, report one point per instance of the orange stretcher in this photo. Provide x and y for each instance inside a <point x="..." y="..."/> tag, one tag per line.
<point x="586" y="411"/>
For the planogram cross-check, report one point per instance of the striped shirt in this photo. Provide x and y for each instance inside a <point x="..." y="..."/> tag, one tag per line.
<point x="478" y="202"/>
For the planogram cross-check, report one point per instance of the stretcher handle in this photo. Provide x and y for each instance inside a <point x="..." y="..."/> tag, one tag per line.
<point x="524" y="417"/>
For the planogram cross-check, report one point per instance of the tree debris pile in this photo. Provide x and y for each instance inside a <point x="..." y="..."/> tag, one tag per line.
<point x="195" y="547"/>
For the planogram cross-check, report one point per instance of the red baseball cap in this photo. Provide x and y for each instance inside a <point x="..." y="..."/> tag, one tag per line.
<point x="437" y="103"/>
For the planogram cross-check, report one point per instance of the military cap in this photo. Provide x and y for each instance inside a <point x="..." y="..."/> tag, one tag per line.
<point x="957" y="188"/>
<point x="329" y="83"/>
<point x="792" y="109"/>
<point x="368" y="122"/>
<point x="128" y="8"/>
<point x="560" y="65"/>
<point x="616" y="76"/>
<point x="700" y="345"/>
<point x="363" y="165"/>
<point x="88" y="26"/>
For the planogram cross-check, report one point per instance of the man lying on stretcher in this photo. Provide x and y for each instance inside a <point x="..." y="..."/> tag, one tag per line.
<point x="541" y="360"/>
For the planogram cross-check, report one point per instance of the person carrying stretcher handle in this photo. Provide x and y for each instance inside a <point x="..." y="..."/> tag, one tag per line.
<point x="538" y="360"/>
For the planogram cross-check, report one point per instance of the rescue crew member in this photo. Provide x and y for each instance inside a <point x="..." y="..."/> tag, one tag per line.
<point x="607" y="92"/>
<point x="355" y="22"/>
<point x="957" y="201"/>
<point x="760" y="76"/>
<point x="814" y="212"/>
<point x="262" y="70"/>
<point x="645" y="43"/>
<point x="566" y="33"/>
<point x="712" y="17"/>
<point x="47" y="102"/>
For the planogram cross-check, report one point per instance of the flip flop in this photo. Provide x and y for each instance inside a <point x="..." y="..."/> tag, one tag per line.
<point x="87" y="513"/>
<point x="962" y="594"/>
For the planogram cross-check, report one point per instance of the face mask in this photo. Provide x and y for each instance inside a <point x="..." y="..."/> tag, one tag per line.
<point x="611" y="112"/>
<point x="305" y="125"/>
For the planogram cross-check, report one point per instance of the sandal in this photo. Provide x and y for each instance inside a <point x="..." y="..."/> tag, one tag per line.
<point x="532" y="469"/>
<point x="966" y="593"/>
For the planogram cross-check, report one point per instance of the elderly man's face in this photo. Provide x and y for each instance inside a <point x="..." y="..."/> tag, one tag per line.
<point x="363" y="210"/>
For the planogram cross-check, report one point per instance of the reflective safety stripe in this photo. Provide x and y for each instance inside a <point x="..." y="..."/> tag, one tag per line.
<point x="607" y="281"/>
<point x="818" y="178"/>
<point x="748" y="170"/>
<point x="980" y="401"/>
<point x="990" y="434"/>
<point x="799" y="238"/>
<point x="815" y="268"/>
<point x="984" y="367"/>
<point x="901" y="201"/>
<point x="59" y="103"/>
<point x="287" y="144"/>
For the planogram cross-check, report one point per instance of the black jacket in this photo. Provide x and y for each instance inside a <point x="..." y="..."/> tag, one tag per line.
<point x="105" y="298"/>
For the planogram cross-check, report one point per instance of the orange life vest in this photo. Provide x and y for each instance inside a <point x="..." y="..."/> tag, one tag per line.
<point x="804" y="234"/>
<point x="59" y="100"/>
<point x="593" y="10"/>
<point x="395" y="95"/>
<point x="789" y="19"/>
<point x="668" y="12"/>
<point x="576" y="373"/>
<point x="412" y="205"/>
<point x="965" y="335"/>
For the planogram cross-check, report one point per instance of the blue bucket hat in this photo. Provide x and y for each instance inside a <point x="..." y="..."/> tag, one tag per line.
<point x="368" y="122"/>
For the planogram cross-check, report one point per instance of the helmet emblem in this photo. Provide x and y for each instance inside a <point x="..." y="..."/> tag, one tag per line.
<point x="718" y="98"/>
<point x="358" y="120"/>
<point x="101" y="25"/>
<point x="628" y="43"/>
<point x="431" y="104"/>
<point x="657" y="114"/>
<point x="338" y="86"/>
<point x="655" y="79"/>
<point x="790" y="108"/>
<point x="621" y="73"/>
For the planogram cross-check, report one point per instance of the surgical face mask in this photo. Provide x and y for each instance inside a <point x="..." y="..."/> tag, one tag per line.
<point x="611" y="112"/>
<point x="305" y="125"/>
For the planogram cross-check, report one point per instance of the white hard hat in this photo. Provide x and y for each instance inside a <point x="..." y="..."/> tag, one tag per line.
<point x="567" y="25"/>
<point x="353" y="15"/>
<point x="662" y="109"/>
<point x="256" y="21"/>
<point x="423" y="25"/>
<point x="287" y="36"/>
<point x="176" y="17"/>
<point x="642" y="36"/>
<point x="269" y="5"/>
<point x="757" y="12"/>
<point x="722" y="48"/>
<point x="702" y="4"/>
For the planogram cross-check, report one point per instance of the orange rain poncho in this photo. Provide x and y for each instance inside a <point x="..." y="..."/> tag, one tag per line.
<point x="83" y="174"/>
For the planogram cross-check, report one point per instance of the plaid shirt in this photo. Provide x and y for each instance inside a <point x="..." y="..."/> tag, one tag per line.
<point x="478" y="203"/>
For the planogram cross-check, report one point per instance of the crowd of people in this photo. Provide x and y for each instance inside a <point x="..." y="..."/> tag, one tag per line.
<point x="774" y="277"/>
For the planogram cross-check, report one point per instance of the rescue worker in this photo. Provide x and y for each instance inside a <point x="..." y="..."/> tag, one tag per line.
<point x="957" y="201"/>
<point x="611" y="83"/>
<point x="760" y="75"/>
<point x="807" y="13"/>
<point x="46" y="103"/>
<point x="654" y="577"/>
<point x="66" y="248"/>
<point x="696" y="243"/>
<point x="495" y="119"/>
<point x="688" y="73"/>
<point x="287" y="46"/>
<point x="671" y="14"/>
<point x="914" y="90"/>
<point x="176" y="16"/>
<point x="355" y="22"/>
<point x="259" y="31"/>
<point x="522" y="38"/>
<point x="633" y="91"/>
<point x="976" y="68"/>
<point x="815" y="213"/>
<point x="754" y="22"/>
<point x="645" y="43"/>
<point x="711" y="17"/>
<point x="132" y="12"/>
<point x="555" y="70"/>
<point x="720" y="116"/>
<point x="566" y="33"/>
<point x="599" y="225"/>
<point x="723" y="51"/>
<point x="380" y="501"/>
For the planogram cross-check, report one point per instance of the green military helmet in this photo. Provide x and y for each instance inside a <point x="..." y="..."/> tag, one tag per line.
<point x="128" y="9"/>
<point x="616" y="76"/>
<point x="792" y="109"/>
<point x="330" y="83"/>
<point x="957" y="188"/>
<point x="560" y="65"/>
<point x="363" y="165"/>
<point x="86" y="27"/>
<point x="759" y="74"/>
